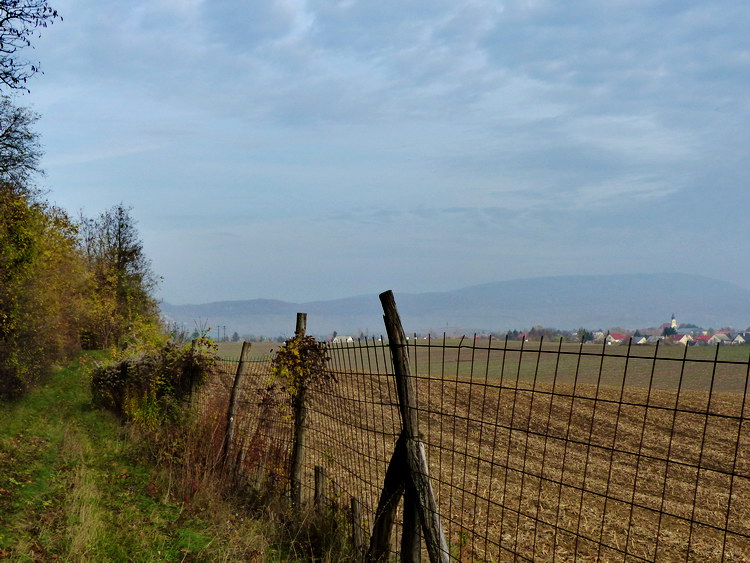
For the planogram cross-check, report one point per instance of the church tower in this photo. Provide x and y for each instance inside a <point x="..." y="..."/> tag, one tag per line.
<point x="674" y="322"/>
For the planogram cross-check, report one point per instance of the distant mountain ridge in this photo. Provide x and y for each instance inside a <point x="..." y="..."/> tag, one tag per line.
<point x="565" y="302"/>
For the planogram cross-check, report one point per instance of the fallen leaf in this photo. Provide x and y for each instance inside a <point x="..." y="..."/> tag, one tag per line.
<point x="4" y="492"/>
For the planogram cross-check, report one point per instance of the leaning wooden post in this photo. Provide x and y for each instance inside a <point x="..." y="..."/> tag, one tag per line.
<point x="300" y="414"/>
<point x="390" y="496"/>
<point x="411" y="545"/>
<point x="233" y="398"/>
<point x="416" y="459"/>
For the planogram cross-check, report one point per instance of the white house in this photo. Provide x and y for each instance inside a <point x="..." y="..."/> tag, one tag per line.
<point x="683" y="339"/>
<point x="342" y="339"/>
<point x="616" y="338"/>
<point x="719" y="338"/>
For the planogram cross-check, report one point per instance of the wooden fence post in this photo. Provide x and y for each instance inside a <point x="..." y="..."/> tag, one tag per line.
<point x="418" y="480"/>
<point x="393" y="489"/>
<point x="233" y="398"/>
<point x="193" y="344"/>
<point x="320" y="486"/>
<point x="335" y="500"/>
<point x="411" y="545"/>
<point x="301" y="327"/>
<point x="300" y="415"/>
<point x="358" y="544"/>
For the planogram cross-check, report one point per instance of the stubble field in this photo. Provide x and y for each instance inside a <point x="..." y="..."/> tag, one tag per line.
<point x="558" y="453"/>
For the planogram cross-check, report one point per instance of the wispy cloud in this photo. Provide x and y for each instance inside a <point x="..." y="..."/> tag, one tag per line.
<point x="523" y="120"/>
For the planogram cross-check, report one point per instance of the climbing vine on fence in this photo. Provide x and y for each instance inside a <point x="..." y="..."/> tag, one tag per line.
<point x="299" y="364"/>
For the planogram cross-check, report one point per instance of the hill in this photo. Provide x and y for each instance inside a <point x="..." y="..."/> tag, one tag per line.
<point x="566" y="302"/>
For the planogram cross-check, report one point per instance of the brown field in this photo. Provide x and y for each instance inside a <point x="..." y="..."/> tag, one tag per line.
<point x="591" y="363"/>
<point x="543" y="454"/>
<point x="231" y="350"/>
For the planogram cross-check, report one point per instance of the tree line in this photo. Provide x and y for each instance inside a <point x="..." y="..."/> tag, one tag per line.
<point x="66" y="283"/>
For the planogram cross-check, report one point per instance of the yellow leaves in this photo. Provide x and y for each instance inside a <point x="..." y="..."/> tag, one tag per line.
<point x="42" y="278"/>
<point x="298" y="364"/>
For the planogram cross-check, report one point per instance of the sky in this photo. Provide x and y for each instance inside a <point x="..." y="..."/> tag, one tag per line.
<point x="318" y="149"/>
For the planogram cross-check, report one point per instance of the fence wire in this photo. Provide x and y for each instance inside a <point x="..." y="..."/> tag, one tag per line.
<point x="537" y="451"/>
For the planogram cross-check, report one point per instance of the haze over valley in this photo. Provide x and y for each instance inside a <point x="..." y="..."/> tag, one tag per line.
<point x="565" y="302"/>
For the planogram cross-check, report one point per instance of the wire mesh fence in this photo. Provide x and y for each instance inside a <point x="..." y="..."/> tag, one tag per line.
<point x="537" y="451"/>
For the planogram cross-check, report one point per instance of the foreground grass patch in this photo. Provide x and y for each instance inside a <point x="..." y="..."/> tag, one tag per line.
<point x="72" y="488"/>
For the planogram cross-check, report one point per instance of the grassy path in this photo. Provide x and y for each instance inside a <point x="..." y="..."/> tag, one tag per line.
<point x="72" y="489"/>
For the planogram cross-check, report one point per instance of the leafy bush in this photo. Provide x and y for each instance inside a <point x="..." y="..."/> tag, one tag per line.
<point x="298" y="365"/>
<point x="41" y="283"/>
<point x="149" y="389"/>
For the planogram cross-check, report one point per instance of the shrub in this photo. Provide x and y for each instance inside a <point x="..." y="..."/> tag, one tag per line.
<point x="148" y="389"/>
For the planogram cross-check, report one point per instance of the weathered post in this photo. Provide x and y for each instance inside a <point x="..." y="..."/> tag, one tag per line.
<point x="335" y="497"/>
<point x="411" y="545"/>
<point x="320" y="486"/>
<point x="358" y="544"/>
<point x="390" y="496"/>
<point x="301" y="327"/>
<point x="233" y="398"/>
<point x="300" y="415"/>
<point x="191" y="376"/>
<point x="416" y="460"/>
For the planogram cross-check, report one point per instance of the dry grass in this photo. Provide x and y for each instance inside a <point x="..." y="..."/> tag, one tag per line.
<point x="538" y="454"/>
<point x="85" y="521"/>
<point x="258" y="350"/>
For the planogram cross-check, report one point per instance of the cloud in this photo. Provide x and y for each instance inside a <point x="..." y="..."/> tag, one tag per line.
<point x="99" y="154"/>
<point x="517" y="120"/>
<point x="628" y="190"/>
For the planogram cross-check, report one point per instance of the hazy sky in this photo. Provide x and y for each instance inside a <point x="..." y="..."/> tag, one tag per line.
<point x="318" y="149"/>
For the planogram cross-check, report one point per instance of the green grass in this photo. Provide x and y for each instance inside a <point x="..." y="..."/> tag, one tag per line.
<point x="72" y="488"/>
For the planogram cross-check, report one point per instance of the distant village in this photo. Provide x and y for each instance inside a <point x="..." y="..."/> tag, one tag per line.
<point x="674" y="333"/>
<point x="671" y="332"/>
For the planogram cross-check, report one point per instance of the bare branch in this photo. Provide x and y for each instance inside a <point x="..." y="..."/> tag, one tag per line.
<point x="20" y="151"/>
<point x="19" y="21"/>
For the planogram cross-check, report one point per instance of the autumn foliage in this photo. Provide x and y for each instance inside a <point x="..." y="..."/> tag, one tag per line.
<point x="64" y="283"/>
<point x="299" y="364"/>
<point x="43" y="290"/>
<point x="149" y="388"/>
